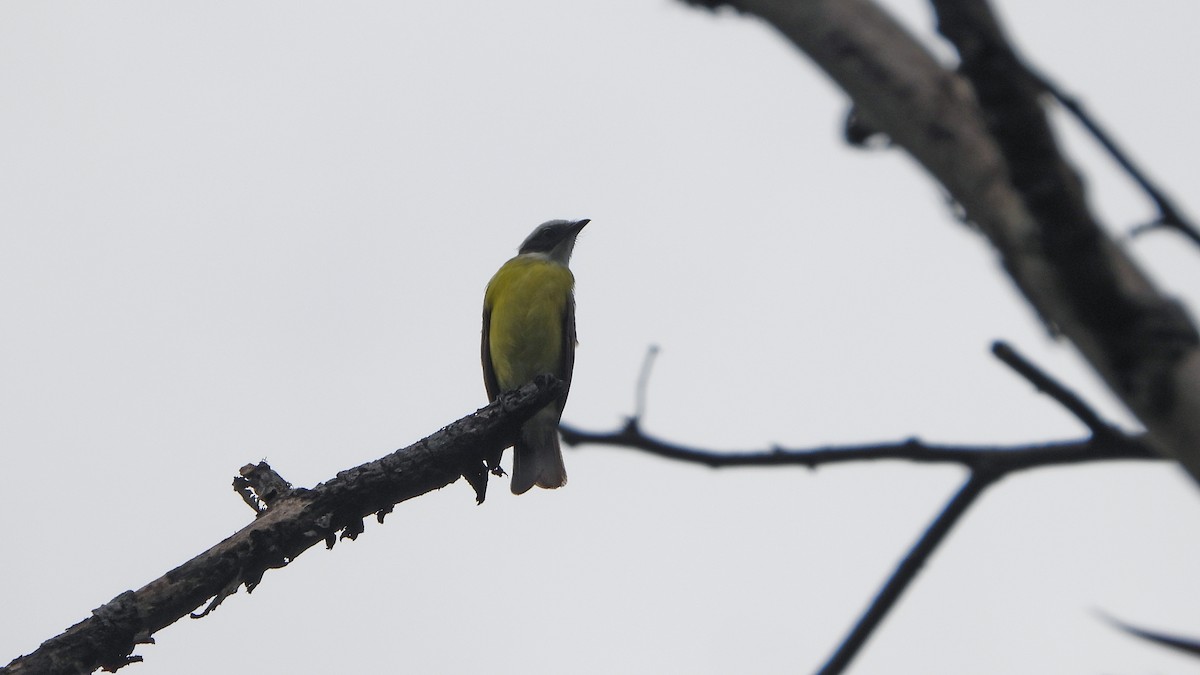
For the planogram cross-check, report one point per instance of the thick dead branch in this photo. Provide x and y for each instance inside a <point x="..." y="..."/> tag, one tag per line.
<point x="1012" y="183"/>
<point x="1141" y="341"/>
<point x="289" y="521"/>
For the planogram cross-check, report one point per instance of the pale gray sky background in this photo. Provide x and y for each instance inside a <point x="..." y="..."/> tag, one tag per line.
<point x="246" y="230"/>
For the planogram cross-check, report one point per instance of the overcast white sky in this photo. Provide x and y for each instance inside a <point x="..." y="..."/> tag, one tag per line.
<point x="246" y="230"/>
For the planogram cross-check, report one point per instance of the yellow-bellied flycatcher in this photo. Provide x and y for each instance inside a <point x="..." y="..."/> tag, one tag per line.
<point x="529" y="330"/>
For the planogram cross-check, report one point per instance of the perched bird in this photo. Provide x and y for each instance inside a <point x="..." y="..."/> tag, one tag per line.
<point x="528" y="330"/>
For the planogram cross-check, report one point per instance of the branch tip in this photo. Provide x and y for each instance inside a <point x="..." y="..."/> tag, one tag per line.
<point x="643" y="382"/>
<point x="1189" y="645"/>
<point x="1055" y="390"/>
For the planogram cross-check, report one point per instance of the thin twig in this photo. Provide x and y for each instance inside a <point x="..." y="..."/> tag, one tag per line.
<point x="643" y="383"/>
<point x="1188" y="645"/>
<point x="986" y="464"/>
<point x="907" y="571"/>
<point x="1168" y="215"/>
<point x="1052" y="388"/>
<point x="1001" y="458"/>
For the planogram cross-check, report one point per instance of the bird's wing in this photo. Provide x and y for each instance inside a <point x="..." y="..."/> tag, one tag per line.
<point x="489" y="373"/>
<point x="567" y="363"/>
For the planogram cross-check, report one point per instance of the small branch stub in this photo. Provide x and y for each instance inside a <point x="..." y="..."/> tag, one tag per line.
<point x="260" y="486"/>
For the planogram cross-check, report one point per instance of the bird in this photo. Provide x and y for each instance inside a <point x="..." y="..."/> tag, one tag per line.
<point x="529" y="330"/>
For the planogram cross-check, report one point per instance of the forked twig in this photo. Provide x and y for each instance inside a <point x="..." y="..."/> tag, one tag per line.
<point x="987" y="465"/>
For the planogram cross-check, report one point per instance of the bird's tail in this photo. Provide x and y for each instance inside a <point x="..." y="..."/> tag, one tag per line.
<point x="537" y="457"/>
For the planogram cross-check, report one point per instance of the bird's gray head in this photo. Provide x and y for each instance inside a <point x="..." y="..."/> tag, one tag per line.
<point x="554" y="239"/>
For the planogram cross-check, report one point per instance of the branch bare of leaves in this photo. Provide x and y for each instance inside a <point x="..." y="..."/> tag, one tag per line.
<point x="986" y="466"/>
<point x="288" y="521"/>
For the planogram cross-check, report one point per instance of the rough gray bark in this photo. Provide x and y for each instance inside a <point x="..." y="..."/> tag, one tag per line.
<point x="991" y="149"/>
<point x="290" y="520"/>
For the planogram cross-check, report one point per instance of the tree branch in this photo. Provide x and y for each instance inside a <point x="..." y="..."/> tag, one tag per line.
<point x="995" y="157"/>
<point x="1133" y="335"/>
<point x="1004" y="459"/>
<point x="987" y="465"/>
<point x="1106" y="443"/>
<point x="1047" y="385"/>
<point x="1185" y="644"/>
<point x="289" y="521"/>
<point x="1169" y="215"/>
<point x="907" y="571"/>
